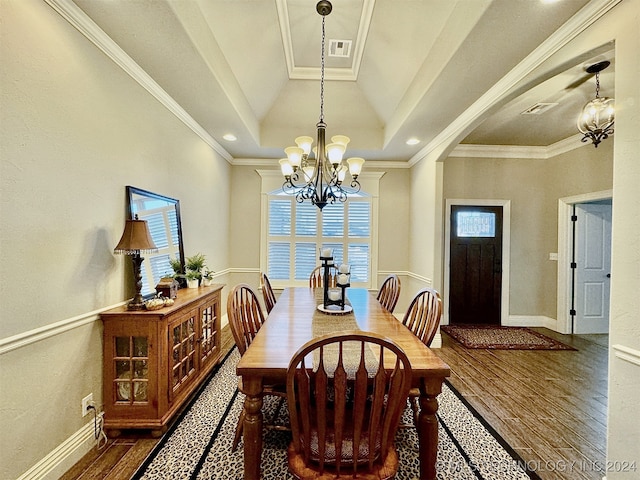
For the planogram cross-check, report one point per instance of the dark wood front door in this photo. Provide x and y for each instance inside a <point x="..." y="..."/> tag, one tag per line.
<point x="475" y="282"/>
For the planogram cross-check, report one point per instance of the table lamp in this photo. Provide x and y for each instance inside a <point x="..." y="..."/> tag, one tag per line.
<point x="136" y="239"/>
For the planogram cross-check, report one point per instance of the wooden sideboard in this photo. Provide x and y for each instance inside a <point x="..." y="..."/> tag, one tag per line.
<point x="154" y="360"/>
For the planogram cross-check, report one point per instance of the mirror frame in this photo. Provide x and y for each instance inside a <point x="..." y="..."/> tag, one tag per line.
<point x="132" y="211"/>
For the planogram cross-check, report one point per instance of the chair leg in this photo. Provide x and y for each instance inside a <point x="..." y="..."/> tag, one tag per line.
<point x="414" y="406"/>
<point x="238" y="434"/>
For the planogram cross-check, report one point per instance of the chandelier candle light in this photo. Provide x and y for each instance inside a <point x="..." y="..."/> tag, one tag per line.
<point x="321" y="179"/>
<point x="597" y="117"/>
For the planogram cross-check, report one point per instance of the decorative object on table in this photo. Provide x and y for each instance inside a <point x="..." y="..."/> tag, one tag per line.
<point x="154" y="304"/>
<point x="321" y="179"/>
<point x="158" y="302"/>
<point x="207" y="277"/>
<point x="334" y="298"/>
<point x="135" y="240"/>
<point x="597" y="116"/>
<point x="194" y="266"/>
<point x="167" y="287"/>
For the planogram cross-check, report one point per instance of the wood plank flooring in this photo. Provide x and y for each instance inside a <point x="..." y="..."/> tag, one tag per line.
<point x="549" y="406"/>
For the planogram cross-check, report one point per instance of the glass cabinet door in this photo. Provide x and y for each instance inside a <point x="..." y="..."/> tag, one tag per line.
<point x="182" y="341"/>
<point x="131" y="359"/>
<point x="208" y="334"/>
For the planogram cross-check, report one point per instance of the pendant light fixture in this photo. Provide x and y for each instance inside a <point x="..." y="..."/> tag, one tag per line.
<point x="597" y="117"/>
<point x="320" y="179"/>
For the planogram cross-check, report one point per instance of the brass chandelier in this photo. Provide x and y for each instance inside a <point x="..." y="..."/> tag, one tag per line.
<point x="597" y="117"/>
<point x="320" y="179"/>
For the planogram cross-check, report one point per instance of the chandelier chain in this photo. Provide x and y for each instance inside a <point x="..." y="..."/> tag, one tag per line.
<point x="597" y="84"/>
<point x="322" y="76"/>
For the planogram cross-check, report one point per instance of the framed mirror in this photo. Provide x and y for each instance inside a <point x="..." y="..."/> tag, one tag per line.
<point x="163" y="219"/>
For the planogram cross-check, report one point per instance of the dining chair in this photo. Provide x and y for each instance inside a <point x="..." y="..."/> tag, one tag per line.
<point x="316" y="278"/>
<point x="389" y="292"/>
<point x="267" y="293"/>
<point x="245" y="319"/>
<point x="344" y="406"/>
<point x="423" y="319"/>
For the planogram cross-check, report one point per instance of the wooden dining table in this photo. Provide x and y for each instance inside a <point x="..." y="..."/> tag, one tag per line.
<point x="294" y="321"/>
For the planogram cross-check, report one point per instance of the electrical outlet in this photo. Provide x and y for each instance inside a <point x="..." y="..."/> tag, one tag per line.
<point x="86" y="403"/>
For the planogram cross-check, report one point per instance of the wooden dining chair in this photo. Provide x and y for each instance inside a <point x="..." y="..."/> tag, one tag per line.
<point x="345" y="408"/>
<point x="423" y="319"/>
<point x="245" y="319"/>
<point x="389" y="292"/>
<point x="267" y="293"/>
<point x="316" y="278"/>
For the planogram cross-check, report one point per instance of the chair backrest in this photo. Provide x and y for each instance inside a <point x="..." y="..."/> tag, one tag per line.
<point x="267" y="293"/>
<point x="389" y="292"/>
<point x="346" y="401"/>
<point x="244" y="314"/>
<point x="423" y="315"/>
<point x="316" y="279"/>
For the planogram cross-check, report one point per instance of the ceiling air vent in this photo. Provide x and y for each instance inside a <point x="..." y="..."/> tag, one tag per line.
<point x="339" y="48"/>
<point x="538" y="108"/>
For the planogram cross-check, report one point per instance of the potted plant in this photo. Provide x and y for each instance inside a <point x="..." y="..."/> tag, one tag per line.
<point x="194" y="266"/>
<point x="207" y="277"/>
<point x="193" y="278"/>
<point x="176" y="266"/>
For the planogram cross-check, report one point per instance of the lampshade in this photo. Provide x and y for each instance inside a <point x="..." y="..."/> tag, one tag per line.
<point x="135" y="239"/>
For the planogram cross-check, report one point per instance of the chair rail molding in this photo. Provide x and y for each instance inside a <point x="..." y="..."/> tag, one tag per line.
<point x="627" y="354"/>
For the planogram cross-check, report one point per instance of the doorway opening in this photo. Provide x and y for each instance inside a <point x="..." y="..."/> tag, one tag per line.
<point x="584" y="256"/>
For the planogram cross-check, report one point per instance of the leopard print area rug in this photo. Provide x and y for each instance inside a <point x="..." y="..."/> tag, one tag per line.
<point x="198" y="445"/>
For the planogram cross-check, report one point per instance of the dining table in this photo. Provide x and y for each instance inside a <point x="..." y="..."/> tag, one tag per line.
<point x="294" y="320"/>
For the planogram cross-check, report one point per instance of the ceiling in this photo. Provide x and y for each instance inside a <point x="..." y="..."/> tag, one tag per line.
<point x="251" y="68"/>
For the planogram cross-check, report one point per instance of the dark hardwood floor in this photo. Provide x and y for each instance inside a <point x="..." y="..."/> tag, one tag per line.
<point x="549" y="406"/>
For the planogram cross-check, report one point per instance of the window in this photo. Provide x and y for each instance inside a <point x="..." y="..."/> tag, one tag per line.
<point x="296" y="233"/>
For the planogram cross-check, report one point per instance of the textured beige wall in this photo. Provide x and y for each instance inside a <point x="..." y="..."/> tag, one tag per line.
<point x="75" y="131"/>
<point x="534" y="187"/>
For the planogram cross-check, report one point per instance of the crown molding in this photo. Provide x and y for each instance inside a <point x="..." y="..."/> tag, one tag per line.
<point x="518" y="151"/>
<point x="87" y="27"/>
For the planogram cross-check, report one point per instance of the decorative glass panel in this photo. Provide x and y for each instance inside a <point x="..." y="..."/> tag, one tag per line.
<point x="476" y="224"/>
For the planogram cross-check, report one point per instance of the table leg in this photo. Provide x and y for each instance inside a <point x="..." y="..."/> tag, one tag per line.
<point x="430" y="388"/>
<point x="252" y="427"/>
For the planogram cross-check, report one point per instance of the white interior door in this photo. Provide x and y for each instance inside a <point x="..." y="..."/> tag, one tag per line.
<point x="593" y="259"/>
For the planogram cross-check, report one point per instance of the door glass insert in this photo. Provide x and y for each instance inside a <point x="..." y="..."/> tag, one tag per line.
<point x="476" y="224"/>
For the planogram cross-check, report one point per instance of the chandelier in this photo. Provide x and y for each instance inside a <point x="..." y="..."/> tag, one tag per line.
<point x="320" y="178"/>
<point x="597" y="117"/>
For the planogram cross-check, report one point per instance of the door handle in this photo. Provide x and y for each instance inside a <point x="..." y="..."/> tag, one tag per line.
<point x="608" y="275"/>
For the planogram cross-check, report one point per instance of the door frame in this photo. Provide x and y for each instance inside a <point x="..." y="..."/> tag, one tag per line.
<point x="506" y="248"/>
<point x="565" y="249"/>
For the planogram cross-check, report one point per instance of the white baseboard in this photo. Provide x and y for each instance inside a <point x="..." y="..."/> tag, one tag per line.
<point x="64" y="456"/>
<point x="532" y="321"/>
